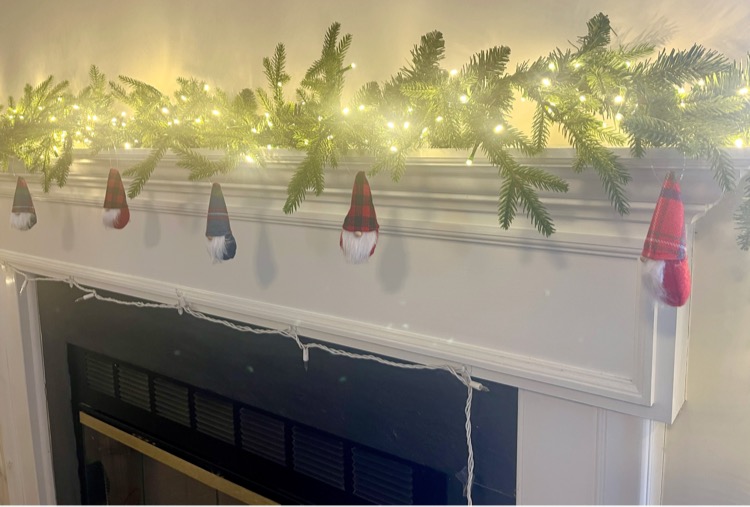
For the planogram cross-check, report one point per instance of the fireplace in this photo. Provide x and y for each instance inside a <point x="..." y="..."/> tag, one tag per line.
<point x="244" y="409"/>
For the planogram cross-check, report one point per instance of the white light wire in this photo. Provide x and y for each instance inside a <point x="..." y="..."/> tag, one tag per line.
<point x="461" y="374"/>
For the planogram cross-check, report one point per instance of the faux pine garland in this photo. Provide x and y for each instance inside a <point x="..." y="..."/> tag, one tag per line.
<point x="695" y="101"/>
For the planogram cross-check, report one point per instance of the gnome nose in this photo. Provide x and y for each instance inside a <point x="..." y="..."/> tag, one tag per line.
<point x="358" y="234"/>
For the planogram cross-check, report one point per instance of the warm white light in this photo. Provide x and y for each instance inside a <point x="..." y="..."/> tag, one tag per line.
<point x="165" y="110"/>
<point x="498" y="129"/>
<point x="279" y="84"/>
<point x="546" y="81"/>
<point x="604" y="124"/>
<point x="345" y="111"/>
<point x="409" y="109"/>
<point x="269" y="147"/>
<point x="248" y="158"/>
<point x="453" y="72"/>
<point x="269" y="123"/>
<point x="361" y="107"/>
<point x="406" y="124"/>
<point x="681" y="90"/>
<point x="618" y="117"/>
<point x="306" y="142"/>
<point x="353" y="65"/>
<point x="76" y="107"/>
<point x="183" y="98"/>
<point x="52" y="119"/>
<point x="743" y="91"/>
<point x="577" y="65"/>
<point x="128" y="146"/>
<point x="469" y="161"/>
<point x="254" y="130"/>
<point x="197" y="120"/>
<point x="551" y="66"/>
<point x="123" y="114"/>
<point x="206" y="88"/>
<point x="738" y="143"/>
<point x="215" y="112"/>
<point x="320" y="118"/>
<point x="582" y="98"/>
<point x="394" y="149"/>
<point x="176" y="121"/>
<point x="682" y="104"/>
<point x="391" y="125"/>
<point x="464" y="99"/>
<point x="627" y="64"/>
<point x="424" y="131"/>
<point x="439" y="119"/>
<point x="701" y="83"/>
<point x="95" y="118"/>
<point x="330" y="136"/>
<point x="619" y="99"/>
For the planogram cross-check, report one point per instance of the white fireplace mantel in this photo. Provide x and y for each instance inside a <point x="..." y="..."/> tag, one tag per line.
<point x="565" y="317"/>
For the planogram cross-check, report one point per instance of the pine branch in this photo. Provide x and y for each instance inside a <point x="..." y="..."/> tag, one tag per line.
<point x="742" y="218"/>
<point x="309" y="176"/>
<point x="143" y="170"/>
<point x="201" y="167"/>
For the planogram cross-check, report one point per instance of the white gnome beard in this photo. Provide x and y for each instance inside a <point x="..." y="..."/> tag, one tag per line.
<point x="22" y="221"/>
<point x="653" y="277"/>
<point x="110" y="217"/>
<point x="217" y="248"/>
<point x="358" y="245"/>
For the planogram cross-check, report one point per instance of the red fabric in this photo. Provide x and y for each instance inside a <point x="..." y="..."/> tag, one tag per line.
<point x="122" y="219"/>
<point x="676" y="282"/>
<point x="361" y="216"/>
<point x="115" y="197"/>
<point x="665" y="240"/>
<point x="22" y="202"/>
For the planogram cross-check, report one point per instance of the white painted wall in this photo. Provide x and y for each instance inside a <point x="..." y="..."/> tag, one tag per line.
<point x="708" y="446"/>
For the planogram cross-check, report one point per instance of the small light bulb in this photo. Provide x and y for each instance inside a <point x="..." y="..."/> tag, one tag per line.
<point x="254" y="130"/>
<point x="604" y="124"/>
<point x="128" y="146"/>
<point x="738" y="143"/>
<point x="215" y="112"/>
<point x="577" y="65"/>
<point x="681" y="90"/>
<point x="551" y="66"/>
<point x="498" y="129"/>
<point x="618" y="117"/>
<point x="52" y="119"/>
<point x="329" y="137"/>
<point x="701" y="83"/>
<point x="353" y="65"/>
<point x="453" y="72"/>
<point x="114" y="120"/>
<point x="406" y="124"/>
<point x="523" y="99"/>
<point x="627" y="64"/>
<point x="59" y="99"/>
<point x="269" y="147"/>
<point x="464" y="99"/>
<point x="176" y="121"/>
<point x="361" y="107"/>
<point x="320" y="118"/>
<point x="391" y="125"/>
<point x="394" y="149"/>
<point x="76" y="107"/>
<point x="439" y="119"/>
<point x="306" y="142"/>
<point x="619" y="99"/>
<point x="279" y="84"/>
<point x="165" y="110"/>
<point x="124" y="114"/>
<point x="546" y="82"/>
<point x="582" y="98"/>
<point x="409" y="109"/>
<point x="183" y="98"/>
<point x="345" y="111"/>
<point x="206" y="87"/>
<point x="197" y="120"/>
<point x="248" y="158"/>
<point x="424" y="131"/>
<point x="469" y="161"/>
<point x="682" y="103"/>
<point x="743" y="91"/>
<point x="95" y="118"/>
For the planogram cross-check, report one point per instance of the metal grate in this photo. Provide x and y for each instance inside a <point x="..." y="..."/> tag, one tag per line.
<point x="318" y="456"/>
<point x="134" y="387"/>
<point x="381" y="480"/>
<point x="100" y="375"/>
<point x="214" y="417"/>
<point x="171" y="401"/>
<point x="263" y="435"/>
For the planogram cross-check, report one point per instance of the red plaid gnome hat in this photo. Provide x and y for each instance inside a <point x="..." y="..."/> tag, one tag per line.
<point x="116" y="213"/>
<point x="22" y="215"/>
<point x="665" y="250"/>
<point x="360" y="230"/>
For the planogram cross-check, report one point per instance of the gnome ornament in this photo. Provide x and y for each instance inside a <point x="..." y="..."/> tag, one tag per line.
<point x="221" y="243"/>
<point x="23" y="215"/>
<point x="360" y="231"/>
<point x="116" y="213"/>
<point x="666" y="268"/>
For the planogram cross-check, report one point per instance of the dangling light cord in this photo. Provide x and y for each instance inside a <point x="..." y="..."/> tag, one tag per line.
<point x="182" y="306"/>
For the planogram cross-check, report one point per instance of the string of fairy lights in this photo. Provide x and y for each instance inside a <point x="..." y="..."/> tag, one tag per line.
<point x="182" y="306"/>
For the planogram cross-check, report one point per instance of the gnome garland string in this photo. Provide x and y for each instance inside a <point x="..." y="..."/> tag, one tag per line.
<point x="359" y="234"/>
<point x="221" y="243"/>
<point x="23" y="214"/>
<point x="116" y="213"/>
<point x="667" y="271"/>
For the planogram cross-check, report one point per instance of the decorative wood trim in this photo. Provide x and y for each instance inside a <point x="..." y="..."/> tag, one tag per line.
<point x="199" y="474"/>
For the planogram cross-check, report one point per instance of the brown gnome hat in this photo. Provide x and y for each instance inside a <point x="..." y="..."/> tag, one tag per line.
<point x="116" y="213"/>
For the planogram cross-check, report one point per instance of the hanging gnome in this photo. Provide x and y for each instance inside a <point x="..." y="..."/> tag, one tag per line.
<point x="221" y="243"/>
<point x="23" y="215"/>
<point x="360" y="231"/>
<point x="116" y="213"/>
<point x="667" y="272"/>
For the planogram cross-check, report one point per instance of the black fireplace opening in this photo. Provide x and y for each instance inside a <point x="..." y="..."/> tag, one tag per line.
<point x="246" y="409"/>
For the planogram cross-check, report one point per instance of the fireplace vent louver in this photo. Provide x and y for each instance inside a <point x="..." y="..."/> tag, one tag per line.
<point x="100" y="375"/>
<point x="263" y="435"/>
<point x="134" y="387"/>
<point x="381" y="480"/>
<point x="319" y="456"/>
<point x="214" y="417"/>
<point x="171" y="401"/>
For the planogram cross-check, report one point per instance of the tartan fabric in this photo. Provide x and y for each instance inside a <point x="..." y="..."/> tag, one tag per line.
<point x="217" y="223"/>
<point x="22" y="202"/>
<point x="665" y="240"/>
<point x="676" y="282"/>
<point x="115" y="197"/>
<point x="361" y="216"/>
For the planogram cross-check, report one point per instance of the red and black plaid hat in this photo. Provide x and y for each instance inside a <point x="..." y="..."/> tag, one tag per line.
<point x="115" y="197"/>
<point x="361" y="216"/>
<point x="665" y="240"/>
<point x="217" y="224"/>
<point x="22" y="202"/>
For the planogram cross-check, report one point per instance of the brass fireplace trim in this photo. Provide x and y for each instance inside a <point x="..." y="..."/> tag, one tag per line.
<point x="179" y="464"/>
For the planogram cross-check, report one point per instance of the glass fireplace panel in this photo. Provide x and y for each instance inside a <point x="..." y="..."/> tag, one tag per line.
<point x="118" y="474"/>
